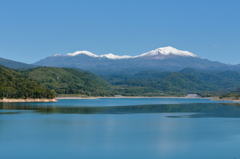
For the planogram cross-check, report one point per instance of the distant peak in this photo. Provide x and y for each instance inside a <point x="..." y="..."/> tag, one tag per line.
<point x="168" y="51"/>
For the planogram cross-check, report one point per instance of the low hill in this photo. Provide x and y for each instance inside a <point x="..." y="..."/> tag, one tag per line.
<point x="69" y="81"/>
<point x="18" y="85"/>
<point x="15" y="64"/>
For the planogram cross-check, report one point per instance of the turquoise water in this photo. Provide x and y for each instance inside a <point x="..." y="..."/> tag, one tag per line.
<point x="156" y="128"/>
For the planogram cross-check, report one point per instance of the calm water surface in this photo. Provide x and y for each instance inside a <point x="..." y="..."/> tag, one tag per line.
<point x="156" y="128"/>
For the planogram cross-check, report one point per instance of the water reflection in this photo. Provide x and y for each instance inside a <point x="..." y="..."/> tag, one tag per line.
<point x="139" y="131"/>
<point x="196" y="110"/>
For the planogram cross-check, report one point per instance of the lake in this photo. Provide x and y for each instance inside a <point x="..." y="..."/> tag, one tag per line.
<point x="117" y="128"/>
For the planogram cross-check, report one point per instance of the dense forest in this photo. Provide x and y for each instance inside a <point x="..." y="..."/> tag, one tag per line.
<point x="204" y="83"/>
<point x="17" y="85"/>
<point x="69" y="81"/>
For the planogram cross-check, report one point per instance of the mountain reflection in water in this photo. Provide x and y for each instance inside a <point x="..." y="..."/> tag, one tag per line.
<point x="197" y="110"/>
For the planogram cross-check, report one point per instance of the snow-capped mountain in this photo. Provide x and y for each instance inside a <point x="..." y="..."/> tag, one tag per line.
<point x="163" y="59"/>
<point x="163" y="52"/>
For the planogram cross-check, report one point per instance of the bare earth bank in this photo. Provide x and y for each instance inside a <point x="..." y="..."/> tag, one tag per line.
<point x="27" y="100"/>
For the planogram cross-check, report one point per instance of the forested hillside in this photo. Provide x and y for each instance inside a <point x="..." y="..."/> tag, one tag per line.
<point x="69" y="81"/>
<point x="225" y="80"/>
<point x="17" y="85"/>
<point x="175" y="83"/>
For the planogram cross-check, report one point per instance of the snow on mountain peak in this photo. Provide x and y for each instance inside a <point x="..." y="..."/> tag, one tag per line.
<point x="56" y="55"/>
<point x="82" y="52"/>
<point x="109" y="56"/>
<point x="112" y="56"/>
<point x="168" y="51"/>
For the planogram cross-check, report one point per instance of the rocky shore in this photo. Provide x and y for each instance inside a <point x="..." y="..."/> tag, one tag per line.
<point x="27" y="100"/>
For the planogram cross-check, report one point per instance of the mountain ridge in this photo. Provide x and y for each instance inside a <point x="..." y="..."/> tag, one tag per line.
<point x="15" y="64"/>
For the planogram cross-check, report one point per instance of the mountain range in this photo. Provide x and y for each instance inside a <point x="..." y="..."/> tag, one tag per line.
<point x="161" y="59"/>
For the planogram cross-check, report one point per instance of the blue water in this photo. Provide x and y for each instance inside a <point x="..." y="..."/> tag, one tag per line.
<point x="110" y="128"/>
<point x="128" y="101"/>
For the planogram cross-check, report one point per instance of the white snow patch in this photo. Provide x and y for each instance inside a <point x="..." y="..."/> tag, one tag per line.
<point x="56" y="55"/>
<point x="112" y="56"/>
<point x="82" y="52"/>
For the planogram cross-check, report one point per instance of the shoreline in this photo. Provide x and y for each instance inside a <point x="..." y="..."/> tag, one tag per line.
<point x="224" y="99"/>
<point x="122" y="97"/>
<point x="7" y="100"/>
<point x="211" y="98"/>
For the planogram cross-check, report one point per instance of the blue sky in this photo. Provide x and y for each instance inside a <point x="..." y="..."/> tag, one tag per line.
<point x="32" y="29"/>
